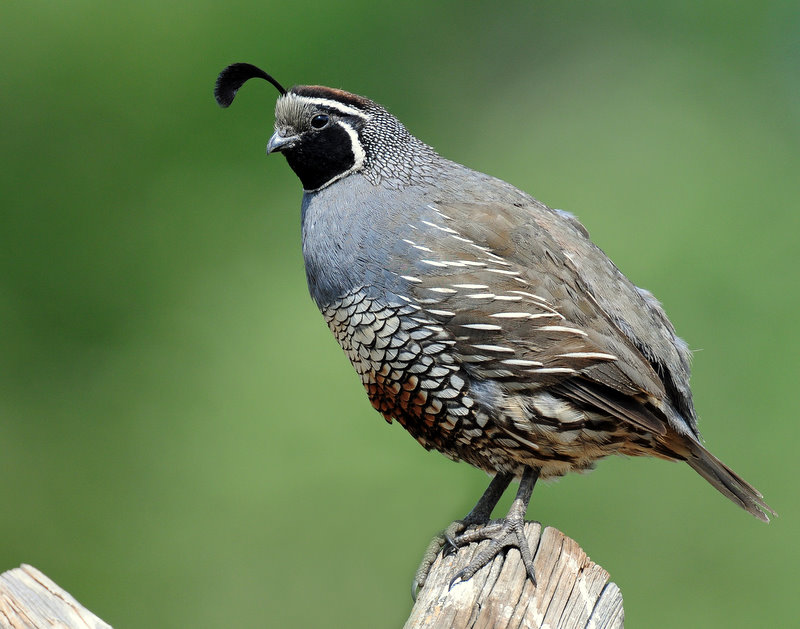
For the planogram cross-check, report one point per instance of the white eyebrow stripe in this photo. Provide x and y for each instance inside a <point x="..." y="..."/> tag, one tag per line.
<point x="335" y="105"/>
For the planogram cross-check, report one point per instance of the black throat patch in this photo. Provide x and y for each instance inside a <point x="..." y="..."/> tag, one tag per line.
<point x="320" y="158"/>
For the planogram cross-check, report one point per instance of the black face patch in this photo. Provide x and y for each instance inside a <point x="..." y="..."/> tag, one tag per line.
<point x="321" y="156"/>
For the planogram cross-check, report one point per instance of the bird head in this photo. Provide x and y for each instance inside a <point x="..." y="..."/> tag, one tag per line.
<point x="327" y="134"/>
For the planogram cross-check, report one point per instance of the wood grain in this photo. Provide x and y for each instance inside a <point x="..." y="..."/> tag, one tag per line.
<point x="572" y="592"/>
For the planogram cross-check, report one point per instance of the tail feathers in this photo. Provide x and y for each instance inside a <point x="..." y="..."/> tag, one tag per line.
<point x="728" y="482"/>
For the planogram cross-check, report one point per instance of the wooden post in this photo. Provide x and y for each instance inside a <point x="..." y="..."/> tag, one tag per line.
<point x="571" y="592"/>
<point x="30" y="600"/>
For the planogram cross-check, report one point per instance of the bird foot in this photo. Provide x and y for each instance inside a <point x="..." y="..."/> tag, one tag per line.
<point x="508" y="532"/>
<point x="476" y="527"/>
<point x="502" y="534"/>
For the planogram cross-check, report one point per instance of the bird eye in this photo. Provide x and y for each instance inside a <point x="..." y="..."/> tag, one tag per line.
<point x="319" y="121"/>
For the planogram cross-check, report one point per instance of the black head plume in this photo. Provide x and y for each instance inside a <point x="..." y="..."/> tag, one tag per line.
<point x="234" y="76"/>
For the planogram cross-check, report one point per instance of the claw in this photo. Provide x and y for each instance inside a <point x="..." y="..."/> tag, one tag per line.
<point x="457" y="576"/>
<point x="450" y="545"/>
<point x="415" y="588"/>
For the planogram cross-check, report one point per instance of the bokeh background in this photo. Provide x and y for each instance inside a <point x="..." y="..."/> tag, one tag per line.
<point x="182" y="443"/>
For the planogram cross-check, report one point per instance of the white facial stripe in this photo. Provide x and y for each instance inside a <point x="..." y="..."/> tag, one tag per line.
<point x="358" y="155"/>
<point x="358" y="150"/>
<point x="335" y="105"/>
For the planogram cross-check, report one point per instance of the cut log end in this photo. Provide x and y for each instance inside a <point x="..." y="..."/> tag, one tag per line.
<point x="571" y="592"/>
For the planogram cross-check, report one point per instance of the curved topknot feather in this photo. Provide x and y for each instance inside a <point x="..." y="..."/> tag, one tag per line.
<point x="234" y="76"/>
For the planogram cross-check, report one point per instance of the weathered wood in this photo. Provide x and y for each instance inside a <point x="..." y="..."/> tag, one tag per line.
<point x="572" y="592"/>
<point x="30" y="600"/>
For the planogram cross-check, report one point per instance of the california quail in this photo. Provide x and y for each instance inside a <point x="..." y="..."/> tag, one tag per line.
<point x="486" y="323"/>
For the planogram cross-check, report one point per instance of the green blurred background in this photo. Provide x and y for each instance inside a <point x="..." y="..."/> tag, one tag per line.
<point x="182" y="443"/>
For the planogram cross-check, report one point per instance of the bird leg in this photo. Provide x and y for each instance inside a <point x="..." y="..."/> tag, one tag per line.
<point x="508" y="532"/>
<point x="454" y="535"/>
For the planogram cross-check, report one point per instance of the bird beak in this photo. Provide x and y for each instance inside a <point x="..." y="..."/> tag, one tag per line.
<point x="278" y="143"/>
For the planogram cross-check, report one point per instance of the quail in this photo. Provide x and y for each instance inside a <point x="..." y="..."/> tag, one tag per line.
<point x="484" y="322"/>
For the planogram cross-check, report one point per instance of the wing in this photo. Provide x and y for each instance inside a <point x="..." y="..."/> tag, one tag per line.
<point x="524" y="312"/>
